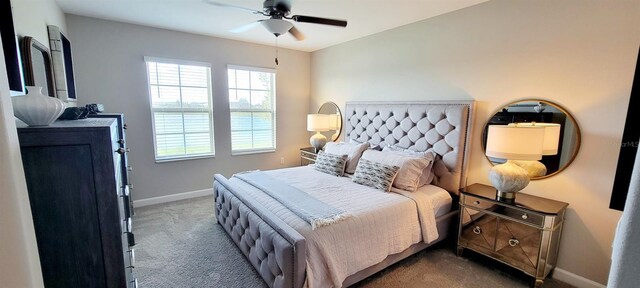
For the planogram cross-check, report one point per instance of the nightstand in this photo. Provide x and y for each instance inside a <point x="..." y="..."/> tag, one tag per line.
<point x="524" y="234"/>
<point x="308" y="156"/>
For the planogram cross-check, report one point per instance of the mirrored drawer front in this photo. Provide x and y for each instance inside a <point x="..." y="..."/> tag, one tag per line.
<point x="308" y="155"/>
<point x="512" y="213"/>
<point x="478" y="229"/>
<point x="519" y="243"/>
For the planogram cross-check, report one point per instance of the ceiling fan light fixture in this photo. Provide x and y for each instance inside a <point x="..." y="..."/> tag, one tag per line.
<point x="277" y="26"/>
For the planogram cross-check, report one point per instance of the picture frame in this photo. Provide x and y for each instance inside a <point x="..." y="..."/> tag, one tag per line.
<point x="37" y="66"/>
<point x="11" y="50"/>
<point x="63" y="72"/>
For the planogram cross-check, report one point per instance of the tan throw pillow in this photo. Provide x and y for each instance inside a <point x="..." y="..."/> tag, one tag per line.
<point x="411" y="167"/>
<point x="353" y="152"/>
<point x="427" y="174"/>
<point x="376" y="175"/>
<point x="331" y="163"/>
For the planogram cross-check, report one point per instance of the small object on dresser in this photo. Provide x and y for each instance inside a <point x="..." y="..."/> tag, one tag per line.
<point x="524" y="234"/>
<point x="36" y="109"/>
<point x="71" y="113"/>
<point x="95" y="108"/>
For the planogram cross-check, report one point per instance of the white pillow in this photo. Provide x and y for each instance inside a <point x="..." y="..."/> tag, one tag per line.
<point x="427" y="174"/>
<point x="411" y="167"/>
<point x="353" y="152"/>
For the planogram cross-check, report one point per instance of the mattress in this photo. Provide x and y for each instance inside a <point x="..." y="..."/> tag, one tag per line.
<point x="341" y="249"/>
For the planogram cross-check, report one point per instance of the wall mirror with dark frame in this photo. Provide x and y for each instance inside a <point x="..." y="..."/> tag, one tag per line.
<point x="335" y="120"/>
<point x="37" y="66"/>
<point x="530" y="112"/>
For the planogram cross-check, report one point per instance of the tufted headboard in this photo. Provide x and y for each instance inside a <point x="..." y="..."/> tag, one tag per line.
<point x="441" y="127"/>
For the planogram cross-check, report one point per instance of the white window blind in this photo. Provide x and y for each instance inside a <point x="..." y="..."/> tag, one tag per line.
<point x="181" y="108"/>
<point x="252" y="103"/>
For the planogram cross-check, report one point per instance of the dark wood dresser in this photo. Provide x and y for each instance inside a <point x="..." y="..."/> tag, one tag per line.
<point x="79" y="202"/>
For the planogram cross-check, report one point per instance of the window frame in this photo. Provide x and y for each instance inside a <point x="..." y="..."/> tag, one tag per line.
<point x="191" y="156"/>
<point x="272" y="110"/>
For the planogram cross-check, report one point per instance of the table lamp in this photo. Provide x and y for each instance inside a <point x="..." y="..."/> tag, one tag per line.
<point x="318" y="123"/>
<point x="549" y="147"/>
<point x="512" y="143"/>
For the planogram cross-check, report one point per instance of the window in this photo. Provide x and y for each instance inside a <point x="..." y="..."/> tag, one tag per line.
<point x="181" y="108"/>
<point x="252" y="103"/>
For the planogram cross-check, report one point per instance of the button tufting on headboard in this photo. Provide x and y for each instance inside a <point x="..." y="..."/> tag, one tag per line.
<point x="441" y="127"/>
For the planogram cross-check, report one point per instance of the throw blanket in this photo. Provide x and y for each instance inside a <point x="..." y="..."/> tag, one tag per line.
<point x="311" y="210"/>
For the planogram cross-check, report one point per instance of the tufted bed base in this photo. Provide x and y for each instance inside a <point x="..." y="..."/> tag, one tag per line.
<point x="277" y="251"/>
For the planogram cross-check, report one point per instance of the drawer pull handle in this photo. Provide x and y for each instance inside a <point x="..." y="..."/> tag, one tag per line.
<point x="525" y="216"/>
<point x="477" y="230"/>
<point x="476" y="202"/>
<point x="120" y="151"/>
<point x="121" y="141"/>
<point x="513" y="242"/>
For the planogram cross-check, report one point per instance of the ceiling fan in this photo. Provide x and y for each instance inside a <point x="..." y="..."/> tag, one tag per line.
<point x="278" y="11"/>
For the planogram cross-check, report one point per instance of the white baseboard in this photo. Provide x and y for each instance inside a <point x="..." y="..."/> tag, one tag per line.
<point x="575" y="280"/>
<point x="172" y="197"/>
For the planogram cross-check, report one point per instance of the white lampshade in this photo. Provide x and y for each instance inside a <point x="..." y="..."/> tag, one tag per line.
<point x="515" y="143"/>
<point x="551" y="136"/>
<point x="277" y="26"/>
<point x="334" y="119"/>
<point x="318" y="122"/>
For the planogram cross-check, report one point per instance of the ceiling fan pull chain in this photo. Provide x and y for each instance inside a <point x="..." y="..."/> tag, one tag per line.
<point x="276" y="50"/>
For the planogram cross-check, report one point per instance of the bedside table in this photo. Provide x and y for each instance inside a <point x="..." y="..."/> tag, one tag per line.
<point x="308" y="156"/>
<point x="524" y="234"/>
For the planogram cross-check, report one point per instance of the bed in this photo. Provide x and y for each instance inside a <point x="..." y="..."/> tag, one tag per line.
<point x="383" y="229"/>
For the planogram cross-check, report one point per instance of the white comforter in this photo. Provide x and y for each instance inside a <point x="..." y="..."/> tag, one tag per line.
<point x="381" y="224"/>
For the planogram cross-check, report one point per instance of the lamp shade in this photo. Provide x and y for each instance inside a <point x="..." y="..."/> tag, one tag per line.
<point x="334" y="119"/>
<point x="551" y="136"/>
<point x="318" y="122"/>
<point x="515" y="143"/>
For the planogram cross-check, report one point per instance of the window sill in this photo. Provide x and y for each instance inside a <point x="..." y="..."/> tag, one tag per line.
<point x="195" y="157"/>
<point x="249" y="152"/>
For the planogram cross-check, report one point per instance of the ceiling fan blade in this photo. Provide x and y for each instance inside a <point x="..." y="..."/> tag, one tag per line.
<point x="318" y="20"/>
<point x="245" y="27"/>
<point x="296" y="33"/>
<point x="219" y="4"/>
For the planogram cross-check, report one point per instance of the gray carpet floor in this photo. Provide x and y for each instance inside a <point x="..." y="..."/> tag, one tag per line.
<point x="179" y="244"/>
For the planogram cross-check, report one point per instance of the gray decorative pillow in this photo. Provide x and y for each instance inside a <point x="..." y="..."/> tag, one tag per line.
<point x="374" y="174"/>
<point x="331" y="163"/>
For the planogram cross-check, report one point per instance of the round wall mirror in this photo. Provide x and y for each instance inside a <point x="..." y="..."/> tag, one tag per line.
<point x="532" y="112"/>
<point x="331" y="109"/>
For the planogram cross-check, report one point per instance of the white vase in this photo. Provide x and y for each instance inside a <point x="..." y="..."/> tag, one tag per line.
<point x="36" y="109"/>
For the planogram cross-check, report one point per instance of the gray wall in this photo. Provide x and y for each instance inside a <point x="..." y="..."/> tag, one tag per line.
<point x="579" y="54"/>
<point x="110" y="69"/>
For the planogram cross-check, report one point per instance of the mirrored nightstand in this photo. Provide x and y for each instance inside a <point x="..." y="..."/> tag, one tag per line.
<point x="307" y="156"/>
<point x="524" y="234"/>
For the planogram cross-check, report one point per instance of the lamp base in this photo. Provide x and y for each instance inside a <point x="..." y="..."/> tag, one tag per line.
<point x="318" y="141"/>
<point x="533" y="168"/>
<point x="508" y="178"/>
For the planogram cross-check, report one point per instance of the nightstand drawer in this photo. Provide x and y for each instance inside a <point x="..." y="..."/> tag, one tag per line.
<point x="478" y="229"/>
<point x="518" y="244"/>
<point x="510" y="212"/>
<point x="309" y="155"/>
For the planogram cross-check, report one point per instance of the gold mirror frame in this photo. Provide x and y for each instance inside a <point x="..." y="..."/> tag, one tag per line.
<point x="569" y="117"/>
<point x="329" y="109"/>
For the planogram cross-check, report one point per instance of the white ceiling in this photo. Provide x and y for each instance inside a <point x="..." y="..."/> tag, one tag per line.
<point x="365" y="17"/>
